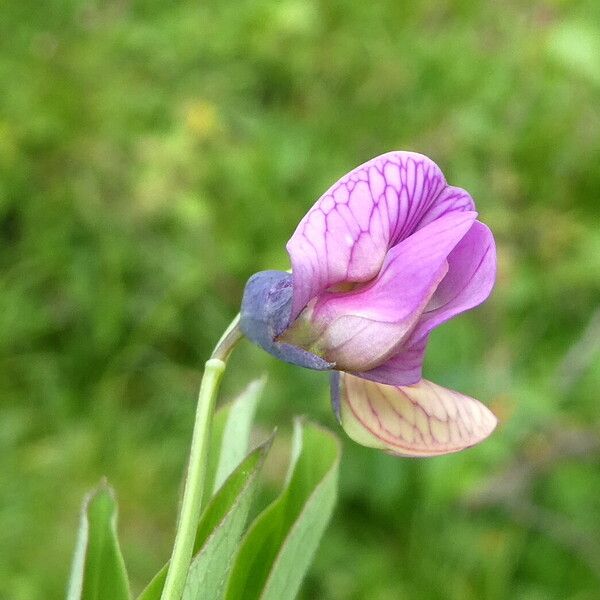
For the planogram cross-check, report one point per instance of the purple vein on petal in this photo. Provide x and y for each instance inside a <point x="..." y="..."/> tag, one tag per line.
<point x="420" y="420"/>
<point x="384" y="206"/>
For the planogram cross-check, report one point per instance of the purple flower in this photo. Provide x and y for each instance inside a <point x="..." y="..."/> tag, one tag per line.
<point x="387" y="254"/>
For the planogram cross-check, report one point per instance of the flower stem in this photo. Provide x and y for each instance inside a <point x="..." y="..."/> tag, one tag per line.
<point x="191" y="504"/>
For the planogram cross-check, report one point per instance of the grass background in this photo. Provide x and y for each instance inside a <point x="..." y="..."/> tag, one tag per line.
<point x="153" y="155"/>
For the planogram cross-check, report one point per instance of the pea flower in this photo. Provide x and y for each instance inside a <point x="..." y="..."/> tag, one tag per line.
<point x="387" y="254"/>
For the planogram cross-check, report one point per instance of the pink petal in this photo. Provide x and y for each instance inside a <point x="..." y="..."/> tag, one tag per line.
<point x="347" y="233"/>
<point x="469" y="281"/>
<point x="359" y="330"/>
<point x="404" y="368"/>
<point x="450" y="199"/>
<point x="419" y="420"/>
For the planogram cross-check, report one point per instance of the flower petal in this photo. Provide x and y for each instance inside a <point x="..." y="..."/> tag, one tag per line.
<point x="450" y="199"/>
<point x="404" y="368"/>
<point x="360" y="330"/>
<point x="469" y="281"/>
<point x="419" y="420"/>
<point x="346" y="234"/>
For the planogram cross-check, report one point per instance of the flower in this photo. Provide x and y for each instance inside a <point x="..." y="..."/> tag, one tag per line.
<point x="387" y="254"/>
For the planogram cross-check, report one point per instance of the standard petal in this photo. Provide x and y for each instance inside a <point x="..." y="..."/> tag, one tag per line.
<point x="419" y="420"/>
<point x="346" y="234"/>
<point x="468" y="283"/>
<point x="450" y="199"/>
<point x="361" y="329"/>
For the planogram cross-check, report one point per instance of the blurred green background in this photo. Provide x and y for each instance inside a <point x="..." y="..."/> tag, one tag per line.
<point x="153" y="155"/>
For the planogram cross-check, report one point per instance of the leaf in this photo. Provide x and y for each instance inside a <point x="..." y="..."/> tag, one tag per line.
<point x="154" y="589"/>
<point x="230" y="436"/>
<point x="98" y="569"/>
<point x="221" y="528"/>
<point x="219" y="531"/>
<point x="279" y="546"/>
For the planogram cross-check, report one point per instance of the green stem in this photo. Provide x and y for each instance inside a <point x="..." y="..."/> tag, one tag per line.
<point x="191" y="504"/>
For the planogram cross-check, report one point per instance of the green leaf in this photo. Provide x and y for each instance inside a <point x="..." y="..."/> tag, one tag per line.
<point x="221" y="528"/>
<point x="154" y="589"/>
<point x="230" y="436"/>
<point x="219" y="531"/>
<point x="279" y="546"/>
<point x="98" y="569"/>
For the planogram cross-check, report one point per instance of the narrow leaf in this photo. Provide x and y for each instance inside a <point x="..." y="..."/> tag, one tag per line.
<point x="219" y="531"/>
<point x="279" y="546"/>
<point x="98" y="570"/>
<point x="230" y="435"/>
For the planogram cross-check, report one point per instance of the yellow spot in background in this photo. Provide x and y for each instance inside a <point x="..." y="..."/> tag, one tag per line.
<point x="202" y="119"/>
